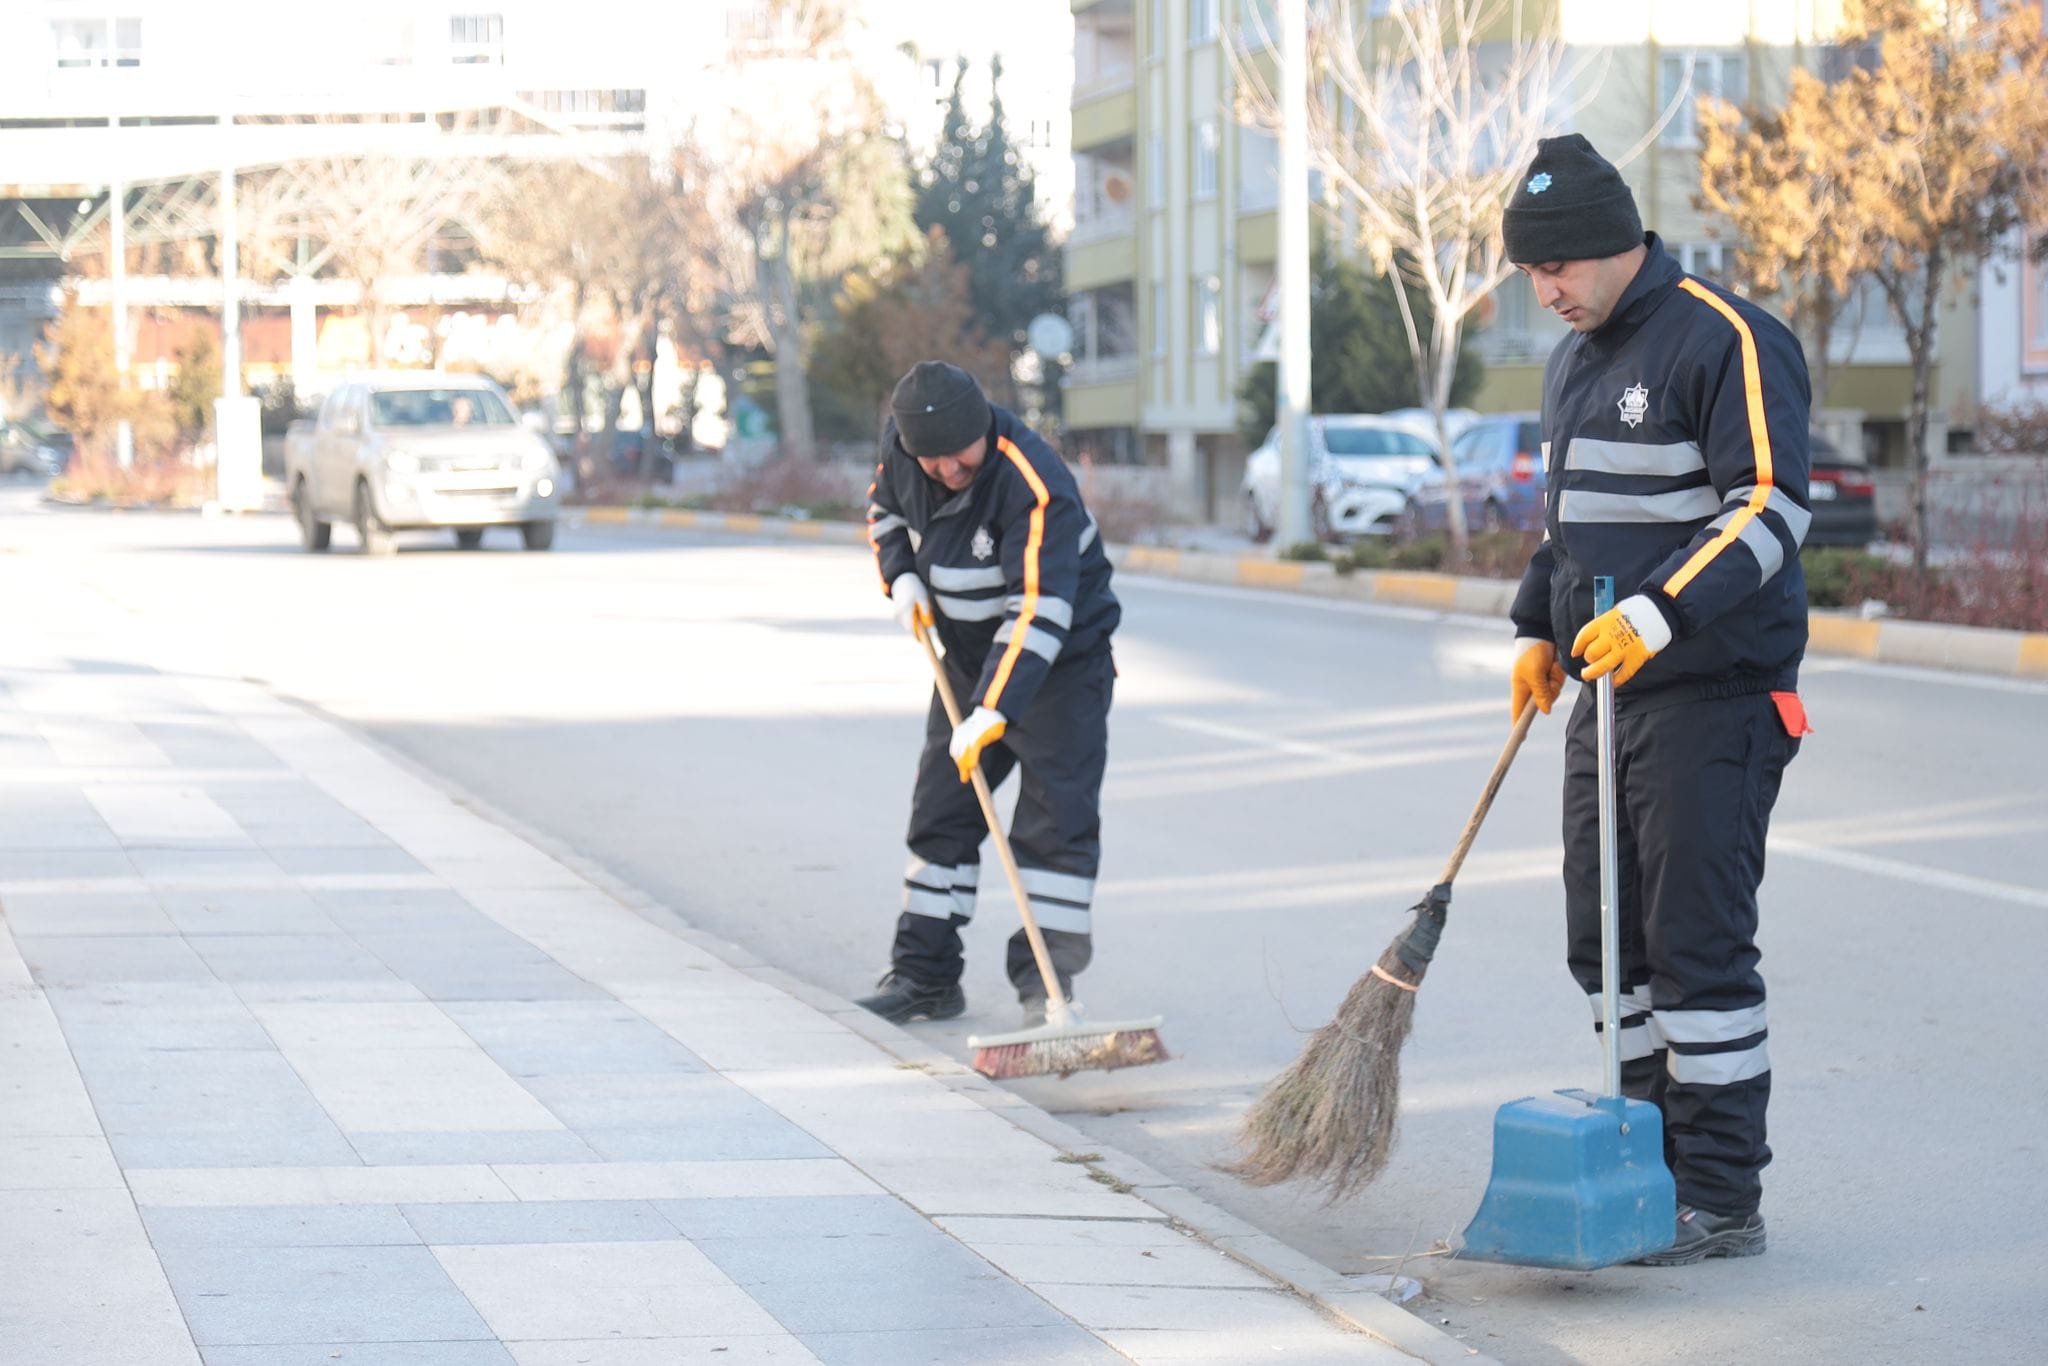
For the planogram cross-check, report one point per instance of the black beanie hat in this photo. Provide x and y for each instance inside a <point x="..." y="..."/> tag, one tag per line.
<point x="939" y="409"/>
<point x="1571" y="206"/>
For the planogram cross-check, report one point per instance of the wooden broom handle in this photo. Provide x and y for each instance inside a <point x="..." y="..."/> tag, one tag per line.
<point x="1055" y="999"/>
<point x="1493" y="782"/>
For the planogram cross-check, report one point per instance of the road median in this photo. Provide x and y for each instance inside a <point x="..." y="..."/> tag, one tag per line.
<point x="1882" y="640"/>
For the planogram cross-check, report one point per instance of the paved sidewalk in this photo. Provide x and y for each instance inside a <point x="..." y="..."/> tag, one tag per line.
<point x="304" y="1061"/>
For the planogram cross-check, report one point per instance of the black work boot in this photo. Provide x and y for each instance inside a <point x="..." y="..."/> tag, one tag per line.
<point x="1703" y="1234"/>
<point x="899" y="999"/>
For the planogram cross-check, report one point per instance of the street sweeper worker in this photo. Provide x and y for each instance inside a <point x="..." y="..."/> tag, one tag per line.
<point x="1675" y="440"/>
<point x="980" y="535"/>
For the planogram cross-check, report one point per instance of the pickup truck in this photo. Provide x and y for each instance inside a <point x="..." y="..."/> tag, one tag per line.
<point x="420" y="450"/>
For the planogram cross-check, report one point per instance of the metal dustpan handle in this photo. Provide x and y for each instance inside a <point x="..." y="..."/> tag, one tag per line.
<point x="1610" y="873"/>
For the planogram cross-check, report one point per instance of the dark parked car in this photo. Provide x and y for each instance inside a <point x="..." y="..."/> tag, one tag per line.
<point x="1500" y="472"/>
<point x="1843" y="499"/>
<point x="34" y="448"/>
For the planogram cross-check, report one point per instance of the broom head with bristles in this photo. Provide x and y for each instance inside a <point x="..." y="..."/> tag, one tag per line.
<point x="1064" y="1047"/>
<point x="1329" y="1117"/>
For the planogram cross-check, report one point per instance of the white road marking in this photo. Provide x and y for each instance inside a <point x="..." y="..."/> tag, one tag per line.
<point x="1902" y="871"/>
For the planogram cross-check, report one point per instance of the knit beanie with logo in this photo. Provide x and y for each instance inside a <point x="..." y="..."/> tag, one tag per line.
<point x="1571" y="206"/>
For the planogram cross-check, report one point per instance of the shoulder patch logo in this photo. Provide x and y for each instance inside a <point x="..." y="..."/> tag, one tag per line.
<point x="1635" y="405"/>
<point x="1539" y="182"/>
<point x="984" y="545"/>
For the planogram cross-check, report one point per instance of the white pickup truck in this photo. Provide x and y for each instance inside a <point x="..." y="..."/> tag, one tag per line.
<point x="409" y="451"/>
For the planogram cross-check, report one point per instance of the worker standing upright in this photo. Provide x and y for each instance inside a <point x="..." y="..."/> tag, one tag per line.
<point x="1675" y="439"/>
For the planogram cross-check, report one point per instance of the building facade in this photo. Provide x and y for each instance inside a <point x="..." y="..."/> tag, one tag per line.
<point x="1171" y="264"/>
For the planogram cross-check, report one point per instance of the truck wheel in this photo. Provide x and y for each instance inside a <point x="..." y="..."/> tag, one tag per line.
<point x="469" y="538"/>
<point x="314" y="534"/>
<point x="370" y="529"/>
<point x="538" y="535"/>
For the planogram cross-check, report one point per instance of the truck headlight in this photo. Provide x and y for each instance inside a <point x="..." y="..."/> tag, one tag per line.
<point x="401" y="462"/>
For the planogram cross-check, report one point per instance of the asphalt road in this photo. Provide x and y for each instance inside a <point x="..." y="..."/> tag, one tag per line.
<point x="732" y="728"/>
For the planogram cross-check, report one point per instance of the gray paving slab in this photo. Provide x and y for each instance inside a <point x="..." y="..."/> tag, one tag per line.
<point x="208" y="868"/>
<point x="779" y="1349"/>
<point x="207" y="744"/>
<point x="728" y="1139"/>
<point x="255" y="1296"/>
<point x="630" y="1100"/>
<point x="85" y="867"/>
<point x="62" y="960"/>
<point x="45" y="833"/>
<point x="364" y="1354"/>
<point x="276" y="911"/>
<point x="140" y="1017"/>
<point x="527" y="982"/>
<point x="557" y="1038"/>
<point x="55" y="1162"/>
<point x="87" y="913"/>
<point x="79" y="1283"/>
<point x="883" y="1303"/>
<point x="210" y="1107"/>
<point x="922" y="1255"/>
<point x="204" y="1227"/>
<point x="559" y="1221"/>
<point x="318" y="860"/>
<point x="509" y="1147"/>
<point x="375" y="910"/>
<point x="289" y="958"/>
<point x="825" y="1216"/>
<point x="1053" y="1345"/>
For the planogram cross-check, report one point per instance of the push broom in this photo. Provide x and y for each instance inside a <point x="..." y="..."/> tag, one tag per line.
<point x="1330" y="1116"/>
<point x="1065" y="1043"/>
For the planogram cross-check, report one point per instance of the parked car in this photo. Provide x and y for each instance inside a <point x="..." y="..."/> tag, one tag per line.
<point x="33" y="448"/>
<point x="1500" y="474"/>
<point x="1361" y="472"/>
<point x="1842" y="496"/>
<point x="420" y="450"/>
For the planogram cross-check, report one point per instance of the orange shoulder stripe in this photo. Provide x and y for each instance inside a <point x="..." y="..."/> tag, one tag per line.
<point x="1032" y="544"/>
<point x="1759" y="436"/>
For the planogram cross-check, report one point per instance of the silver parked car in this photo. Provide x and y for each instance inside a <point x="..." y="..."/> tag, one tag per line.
<point x="412" y="451"/>
<point x="1361" y="473"/>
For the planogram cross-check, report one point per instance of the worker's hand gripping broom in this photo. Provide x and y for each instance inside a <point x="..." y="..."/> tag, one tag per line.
<point x="1065" y="1043"/>
<point x="1330" y="1116"/>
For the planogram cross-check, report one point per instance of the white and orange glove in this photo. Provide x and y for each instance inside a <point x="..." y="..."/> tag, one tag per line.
<point x="981" y="729"/>
<point x="913" y="603"/>
<point x="1622" y="639"/>
<point x="1536" y="674"/>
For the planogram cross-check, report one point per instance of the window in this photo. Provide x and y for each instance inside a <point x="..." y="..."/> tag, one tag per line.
<point x="1208" y="316"/>
<point x="476" y="39"/>
<point x="1704" y="259"/>
<point x="1714" y="75"/>
<point x="2034" y="316"/>
<point x="1155" y="29"/>
<point x="1155" y="171"/>
<point x="1160" y="317"/>
<point x="1205" y="159"/>
<point x="1201" y="21"/>
<point x="83" y="43"/>
<point x="1259" y="22"/>
<point x="1258" y="170"/>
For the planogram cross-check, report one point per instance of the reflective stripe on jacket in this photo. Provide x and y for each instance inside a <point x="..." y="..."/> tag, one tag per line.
<point x="1014" y="561"/>
<point x="1675" y="444"/>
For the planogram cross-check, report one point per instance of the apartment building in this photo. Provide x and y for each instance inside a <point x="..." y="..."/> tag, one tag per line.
<point x="1170" y="268"/>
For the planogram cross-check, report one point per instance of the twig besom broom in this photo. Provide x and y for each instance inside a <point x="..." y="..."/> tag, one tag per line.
<point x="1330" y="1116"/>
<point x="1065" y="1043"/>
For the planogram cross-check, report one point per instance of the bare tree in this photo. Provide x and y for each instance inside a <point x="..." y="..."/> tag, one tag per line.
<point x="1429" y="116"/>
<point x="791" y="186"/>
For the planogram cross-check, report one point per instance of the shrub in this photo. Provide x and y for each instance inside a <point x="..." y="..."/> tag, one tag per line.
<point x="1310" y="552"/>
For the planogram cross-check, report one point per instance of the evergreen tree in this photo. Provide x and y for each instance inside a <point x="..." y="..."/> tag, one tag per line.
<point x="1359" y="361"/>
<point x="977" y="190"/>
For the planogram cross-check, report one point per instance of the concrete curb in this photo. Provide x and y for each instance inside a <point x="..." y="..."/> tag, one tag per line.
<point x="1921" y="644"/>
<point x="1363" y="1309"/>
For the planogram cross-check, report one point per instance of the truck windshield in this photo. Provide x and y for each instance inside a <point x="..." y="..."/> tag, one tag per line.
<point x="438" y="408"/>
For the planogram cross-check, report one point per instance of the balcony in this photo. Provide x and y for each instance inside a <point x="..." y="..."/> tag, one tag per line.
<point x="1106" y="114"/>
<point x="1105" y="101"/>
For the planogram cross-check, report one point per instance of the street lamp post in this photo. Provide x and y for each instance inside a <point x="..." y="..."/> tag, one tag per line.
<point x="237" y="418"/>
<point x="1292" y="387"/>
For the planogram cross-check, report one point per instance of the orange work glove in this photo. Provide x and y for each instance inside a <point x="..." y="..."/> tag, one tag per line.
<point x="1622" y="639"/>
<point x="981" y="729"/>
<point x="1536" y="674"/>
